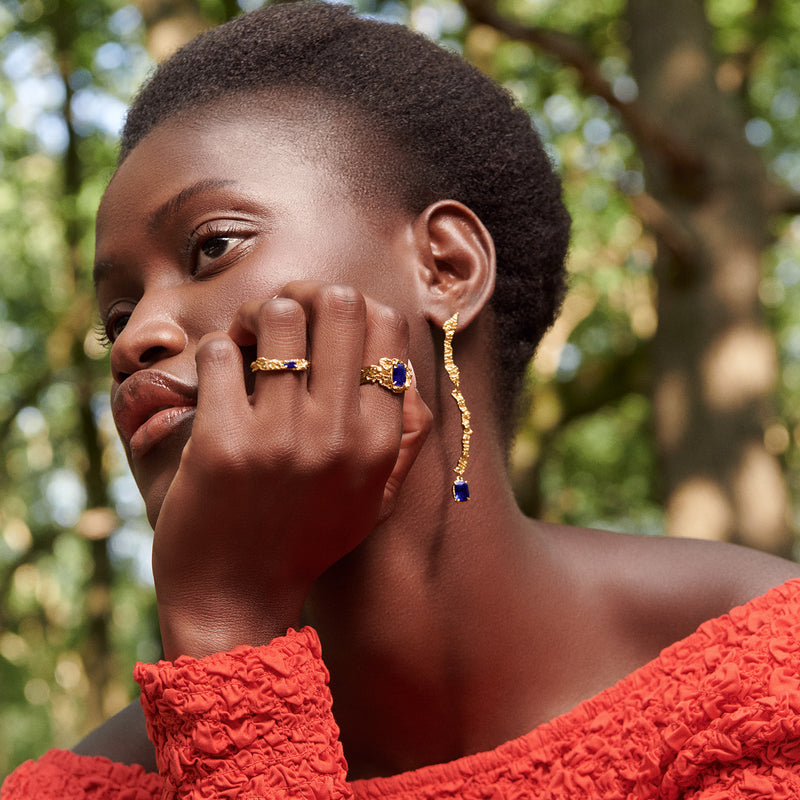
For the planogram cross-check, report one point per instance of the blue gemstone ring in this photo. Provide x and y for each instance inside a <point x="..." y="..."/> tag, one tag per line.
<point x="279" y="365"/>
<point x="391" y="373"/>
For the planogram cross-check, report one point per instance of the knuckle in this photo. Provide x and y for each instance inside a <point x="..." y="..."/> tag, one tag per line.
<point x="281" y="311"/>
<point x="230" y="458"/>
<point x="247" y="310"/>
<point x="337" y="446"/>
<point x="393" y="321"/>
<point x="216" y="453"/>
<point x="283" y="452"/>
<point x="299" y="288"/>
<point x="343" y="301"/>
<point x="372" y="450"/>
<point x="215" y="348"/>
<point x="338" y="452"/>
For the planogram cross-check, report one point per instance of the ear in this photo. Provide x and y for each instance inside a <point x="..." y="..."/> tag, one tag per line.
<point x="457" y="262"/>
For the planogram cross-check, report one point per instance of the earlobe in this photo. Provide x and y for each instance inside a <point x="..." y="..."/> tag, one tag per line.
<point x="457" y="262"/>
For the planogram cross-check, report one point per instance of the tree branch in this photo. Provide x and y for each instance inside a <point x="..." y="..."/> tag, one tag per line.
<point x="677" y="237"/>
<point x="680" y="157"/>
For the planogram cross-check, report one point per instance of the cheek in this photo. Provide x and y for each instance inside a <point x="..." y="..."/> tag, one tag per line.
<point x="211" y="305"/>
<point x="331" y="244"/>
<point x="339" y="251"/>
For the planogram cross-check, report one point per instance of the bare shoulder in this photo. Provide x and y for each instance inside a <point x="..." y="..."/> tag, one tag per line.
<point x="122" y="738"/>
<point x="717" y="574"/>
<point x="660" y="589"/>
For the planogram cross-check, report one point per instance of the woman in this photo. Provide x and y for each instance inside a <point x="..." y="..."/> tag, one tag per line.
<point x="300" y="195"/>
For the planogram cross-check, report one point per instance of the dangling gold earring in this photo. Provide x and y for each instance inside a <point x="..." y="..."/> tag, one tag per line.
<point x="460" y="486"/>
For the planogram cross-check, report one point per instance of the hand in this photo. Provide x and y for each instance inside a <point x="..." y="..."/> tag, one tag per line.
<point x="276" y="486"/>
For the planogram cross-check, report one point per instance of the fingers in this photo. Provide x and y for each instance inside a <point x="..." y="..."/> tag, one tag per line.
<point x="417" y="421"/>
<point x="337" y="323"/>
<point x="367" y="432"/>
<point x="348" y="332"/>
<point x="221" y="395"/>
<point x="278" y="329"/>
<point x="386" y="337"/>
<point x="345" y="332"/>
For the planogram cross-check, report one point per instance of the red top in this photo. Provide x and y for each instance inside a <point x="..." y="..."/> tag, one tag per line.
<point x="714" y="716"/>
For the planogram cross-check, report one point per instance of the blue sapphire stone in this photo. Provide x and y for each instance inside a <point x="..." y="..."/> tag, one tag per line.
<point x="399" y="375"/>
<point x="460" y="491"/>
<point x="291" y="365"/>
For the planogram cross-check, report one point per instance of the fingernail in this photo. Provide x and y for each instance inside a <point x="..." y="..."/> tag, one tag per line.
<point x="413" y="374"/>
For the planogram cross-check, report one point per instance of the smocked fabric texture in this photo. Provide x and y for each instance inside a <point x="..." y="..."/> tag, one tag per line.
<point x="716" y="716"/>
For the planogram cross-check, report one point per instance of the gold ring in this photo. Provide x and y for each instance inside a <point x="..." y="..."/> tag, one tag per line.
<point x="279" y="365"/>
<point x="391" y="373"/>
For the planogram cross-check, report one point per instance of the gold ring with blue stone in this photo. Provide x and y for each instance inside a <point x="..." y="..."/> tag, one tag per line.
<point x="279" y="365"/>
<point x="391" y="373"/>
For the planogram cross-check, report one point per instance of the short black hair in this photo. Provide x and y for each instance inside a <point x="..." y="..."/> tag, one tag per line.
<point x="460" y="136"/>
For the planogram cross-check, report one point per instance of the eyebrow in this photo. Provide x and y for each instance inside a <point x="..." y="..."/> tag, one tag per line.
<point x="174" y="204"/>
<point x="164" y="212"/>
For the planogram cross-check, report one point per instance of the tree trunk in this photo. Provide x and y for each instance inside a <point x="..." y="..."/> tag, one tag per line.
<point x="714" y="364"/>
<point x="96" y="651"/>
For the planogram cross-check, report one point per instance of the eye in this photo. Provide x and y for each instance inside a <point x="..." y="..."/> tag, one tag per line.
<point x="117" y="325"/>
<point x="108" y="331"/>
<point x="214" y="245"/>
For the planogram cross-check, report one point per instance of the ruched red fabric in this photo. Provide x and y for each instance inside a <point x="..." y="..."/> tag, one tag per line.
<point x="716" y="716"/>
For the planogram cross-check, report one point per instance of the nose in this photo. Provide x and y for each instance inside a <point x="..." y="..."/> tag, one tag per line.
<point x="151" y="335"/>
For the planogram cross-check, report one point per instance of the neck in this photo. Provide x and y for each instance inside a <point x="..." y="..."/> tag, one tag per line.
<point x="412" y="622"/>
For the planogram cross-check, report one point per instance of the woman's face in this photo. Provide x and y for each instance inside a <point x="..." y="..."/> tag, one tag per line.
<point x="201" y="217"/>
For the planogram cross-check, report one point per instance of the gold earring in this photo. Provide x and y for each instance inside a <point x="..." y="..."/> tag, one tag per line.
<point x="460" y="486"/>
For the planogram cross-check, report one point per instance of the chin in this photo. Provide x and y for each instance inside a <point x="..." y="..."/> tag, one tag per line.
<point x="153" y="495"/>
<point x="154" y="475"/>
<point x="153" y="509"/>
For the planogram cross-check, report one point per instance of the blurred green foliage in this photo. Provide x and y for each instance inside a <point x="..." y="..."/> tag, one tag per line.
<point x="76" y="606"/>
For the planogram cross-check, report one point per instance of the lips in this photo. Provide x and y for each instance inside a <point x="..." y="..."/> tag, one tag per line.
<point x="148" y="406"/>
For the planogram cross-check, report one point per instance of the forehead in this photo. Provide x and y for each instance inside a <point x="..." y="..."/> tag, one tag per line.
<point x="257" y="151"/>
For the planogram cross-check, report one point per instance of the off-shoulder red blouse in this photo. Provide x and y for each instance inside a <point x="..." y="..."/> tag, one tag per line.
<point x="716" y="715"/>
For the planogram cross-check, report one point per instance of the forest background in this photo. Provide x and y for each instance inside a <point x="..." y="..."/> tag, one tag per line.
<point x="664" y="401"/>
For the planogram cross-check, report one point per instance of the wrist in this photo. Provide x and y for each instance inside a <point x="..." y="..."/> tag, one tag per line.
<point x="199" y="632"/>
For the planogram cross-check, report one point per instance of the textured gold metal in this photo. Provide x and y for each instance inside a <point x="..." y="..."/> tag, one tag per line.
<point x="449" y="328"/>
<point x="279" y="365"/>
<point x="382" y="373"/>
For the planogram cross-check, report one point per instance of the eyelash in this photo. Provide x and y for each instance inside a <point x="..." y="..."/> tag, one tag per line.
<point x="206" y="233"/>
<point x="101" y="335"/>
<point x="198" y="237"/>
<point x="102" y="330"/>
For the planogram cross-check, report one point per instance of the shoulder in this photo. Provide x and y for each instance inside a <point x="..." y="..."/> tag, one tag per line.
<point x="719" y="574"/>
<point x="122" y="738"/>
<point x="660" y="589"/>
<point x="716" y="576"/>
